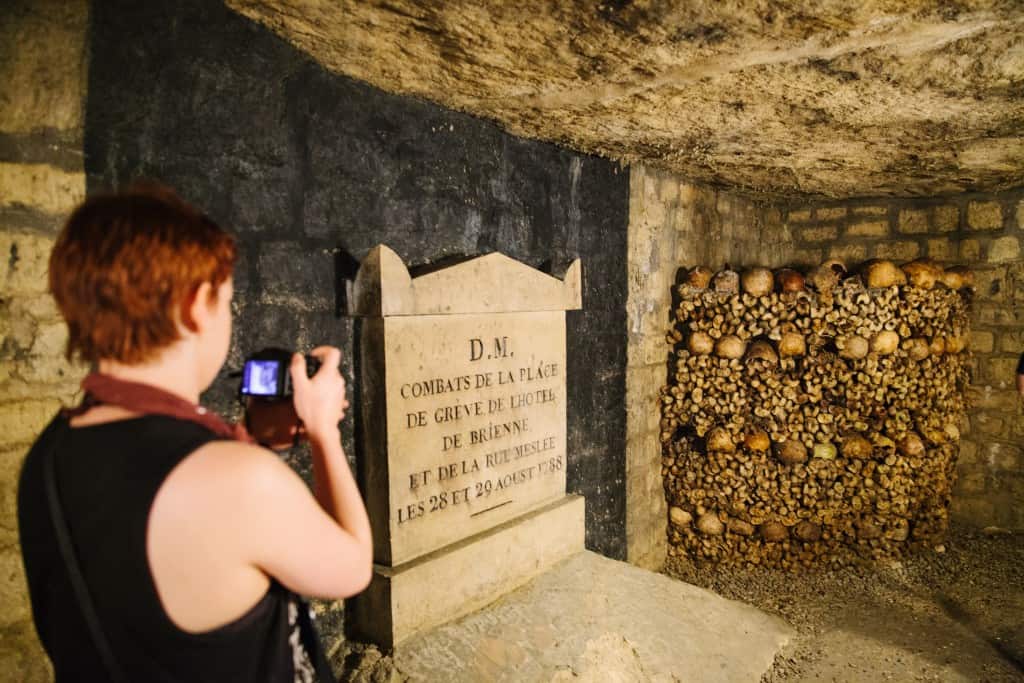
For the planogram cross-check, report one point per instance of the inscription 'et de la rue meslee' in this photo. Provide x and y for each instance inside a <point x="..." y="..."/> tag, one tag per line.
<point x="474" y="398"/>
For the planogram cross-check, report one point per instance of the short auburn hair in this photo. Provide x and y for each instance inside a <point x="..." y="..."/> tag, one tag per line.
<point x="124" y="266"/>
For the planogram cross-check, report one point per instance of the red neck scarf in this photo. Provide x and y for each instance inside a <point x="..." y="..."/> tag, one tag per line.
<point x="103" y="389"/>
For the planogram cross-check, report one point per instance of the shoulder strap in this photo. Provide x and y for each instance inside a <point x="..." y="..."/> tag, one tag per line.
<point x="60" y="527"/>
<point x="310" y="640"/>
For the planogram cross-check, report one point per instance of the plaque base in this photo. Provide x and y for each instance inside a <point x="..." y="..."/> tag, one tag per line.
<point x="465" y="576"/>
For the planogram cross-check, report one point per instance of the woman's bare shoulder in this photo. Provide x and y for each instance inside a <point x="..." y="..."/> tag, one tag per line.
<point x="227" y="478"/>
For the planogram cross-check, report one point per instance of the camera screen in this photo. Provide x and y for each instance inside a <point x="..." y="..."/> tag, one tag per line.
<point x="260" y="378"/>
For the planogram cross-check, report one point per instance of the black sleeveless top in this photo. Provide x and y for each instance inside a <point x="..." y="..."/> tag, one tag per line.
<point x="107" y="477"/>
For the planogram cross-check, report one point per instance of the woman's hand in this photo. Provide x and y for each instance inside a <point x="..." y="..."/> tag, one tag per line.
<point x="319" y="400"/>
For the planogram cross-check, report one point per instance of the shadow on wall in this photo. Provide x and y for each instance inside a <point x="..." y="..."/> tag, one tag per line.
<point x="312" y="170"/>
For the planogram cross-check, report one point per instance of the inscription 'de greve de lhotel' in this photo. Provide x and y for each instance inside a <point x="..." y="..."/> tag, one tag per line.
<point x="476" y="420"/>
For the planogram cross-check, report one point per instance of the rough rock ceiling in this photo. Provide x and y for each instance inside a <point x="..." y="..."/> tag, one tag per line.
<point x="834" y="98"/>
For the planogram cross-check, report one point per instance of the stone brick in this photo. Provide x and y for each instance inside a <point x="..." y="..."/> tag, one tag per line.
<point x="988" y="312"/>
<point x="294" y="275"/>
<point x="989" y="398"/>
<point x="686" y="251"/>
<point x="41" y="187"/>
<point x="1004" y="249"/>
<point x="653" y="324"/>
<point x="868" y="229"/>
<point x="634" y="352"/>
<point x="830" y="213"/>
<point x="654" y="213"/>
<point x="60" y="377"/>
<point x="1001" y="456"/>
<point x="984" y="216"/>
<point x="638" y="179"/>
<point x="24" y="262"/>
<point x="38" y="307"/>
<point x="870" y="210"/>
<point x="942" y="249"/>
<point x="22" y="421"/>
<point x="16" y="334"/>
<point x="975" y="511"/>
<point x="1017" y="427"/>
<point x="982" y="341"/>
<point x="51" y="340"/>
<point x="10" y="469"/>
<point x="653" y="424"/>
<point x="819" y="234"/>
<point x="1016" y="485"/>
<point x="971" y="483"/>
<point x="805" y="257"/>
<point x="654" y="377"/>
<point x="970" y="250"/>
<point x="849" y="254"/>
<point x="946" y="218"/>
<point x="13" y="589"/>
<point x="991" y="283"/>
<point x="42" y="59"/>
<point x="989" y="423"/>
<point x="668" y="190"/>
<point x="1012" y="342"/>
<point x="688" y="194"/>
<point x="635" y="429"/>
<point x="974" y="366"/>
<point x="900" y="251"/>
<point x="913" y="221"/>
<point x="799" y="216"/>
<point x="656" y="350"/>
<point x="968" y="453"/>
<point x="1001" y="371"/>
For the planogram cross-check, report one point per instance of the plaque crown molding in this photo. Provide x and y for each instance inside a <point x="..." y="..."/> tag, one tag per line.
<point x="493" y="283"/>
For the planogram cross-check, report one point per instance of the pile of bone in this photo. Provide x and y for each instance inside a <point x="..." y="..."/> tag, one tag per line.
<point x="813" y="419"/>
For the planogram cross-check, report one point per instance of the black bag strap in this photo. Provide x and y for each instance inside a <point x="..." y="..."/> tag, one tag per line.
<point x="311" y="642"/>
<point x="60" y="527"/>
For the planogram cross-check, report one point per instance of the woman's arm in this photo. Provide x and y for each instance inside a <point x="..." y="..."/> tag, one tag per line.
<point x="320" y="403"/>
<point x="232" y="513"/>
<point x="318" y="546"/>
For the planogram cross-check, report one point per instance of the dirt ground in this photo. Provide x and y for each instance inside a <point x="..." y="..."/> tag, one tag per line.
<point x="952" y="614"/>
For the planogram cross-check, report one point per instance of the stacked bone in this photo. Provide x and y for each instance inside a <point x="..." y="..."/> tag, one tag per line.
<point x="812" y="419"/>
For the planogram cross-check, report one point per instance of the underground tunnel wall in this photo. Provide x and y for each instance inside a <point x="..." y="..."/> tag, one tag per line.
<point x="984" y="232"/>
<point x="42" y="67"/>
<point x="671" y="222"/>
<point x="312" y="170"/>
<point x="677" y="224"/>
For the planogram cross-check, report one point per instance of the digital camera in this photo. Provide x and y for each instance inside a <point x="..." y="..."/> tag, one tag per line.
<point x="265" y="373"/>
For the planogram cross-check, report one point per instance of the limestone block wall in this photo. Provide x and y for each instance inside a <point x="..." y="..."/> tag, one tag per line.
<point x="42" y="68"/>
<point x="673" y="223"/>
<point x="984" y="232"/>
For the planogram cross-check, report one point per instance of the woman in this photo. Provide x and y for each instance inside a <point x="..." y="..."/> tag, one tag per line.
<point x="190" y="542"/>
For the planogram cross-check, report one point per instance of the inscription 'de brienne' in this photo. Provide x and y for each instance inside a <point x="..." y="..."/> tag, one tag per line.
<point x="521" y="393"/>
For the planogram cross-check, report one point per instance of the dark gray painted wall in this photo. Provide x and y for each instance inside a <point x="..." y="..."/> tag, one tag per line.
<point x="312" y="169"/>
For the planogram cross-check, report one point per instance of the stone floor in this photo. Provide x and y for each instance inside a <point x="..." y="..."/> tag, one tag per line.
<point x="595" y="619"/>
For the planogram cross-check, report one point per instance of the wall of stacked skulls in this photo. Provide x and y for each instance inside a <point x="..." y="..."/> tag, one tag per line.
<point x="811" y="419"/>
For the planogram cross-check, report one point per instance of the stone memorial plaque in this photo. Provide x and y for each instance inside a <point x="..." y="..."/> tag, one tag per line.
<point x="463" y="435"/>
<point x="476" y="423"/>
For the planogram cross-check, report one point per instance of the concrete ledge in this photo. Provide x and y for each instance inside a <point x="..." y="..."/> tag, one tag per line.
<point x="589" y="620"/>
<point x="465" y="576"/>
